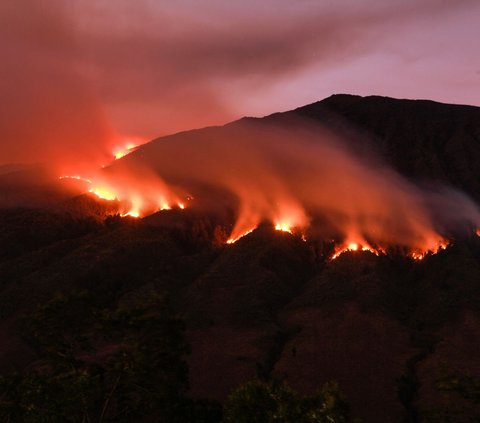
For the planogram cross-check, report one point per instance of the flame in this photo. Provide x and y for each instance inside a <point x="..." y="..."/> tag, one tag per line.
<point x="357" y="243"/>
<point x="129" y="145"/>
<point x="122" y="152"/>
<point x="360" y="245"/>
<point x="132" y="213"/>
<point x="103" y="193"/>
<point x="439" y="245"/>
<point x="302" y="187"/>
<point x="233" y="240"/>
<point x="76" y="177"/>
<point x="283" y="227"/>
<point x="138" y="194"/>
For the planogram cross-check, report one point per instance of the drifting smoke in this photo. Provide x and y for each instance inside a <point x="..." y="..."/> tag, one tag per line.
<point x="301" y="180"/>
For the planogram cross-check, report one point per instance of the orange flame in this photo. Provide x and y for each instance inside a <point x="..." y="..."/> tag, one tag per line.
<point x="358" y="245"/>
<point x="286" y="180"/>
<point x="233" y="240"/>
<point x="433" y="249"/>
<point x="283" y="227"/>
<point x="103" y="193"/>
<point x="139" y="194"/>
<point x="128" y="145"/>
<point x="76" y="177"/>
<point x="122" y="152"/>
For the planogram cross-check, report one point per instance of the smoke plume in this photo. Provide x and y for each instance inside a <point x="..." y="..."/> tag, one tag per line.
<point x="308" y="180"/>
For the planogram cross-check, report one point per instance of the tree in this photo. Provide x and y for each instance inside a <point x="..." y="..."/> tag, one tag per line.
<point x="97" y="365"/>
<point x="261" y="402"/>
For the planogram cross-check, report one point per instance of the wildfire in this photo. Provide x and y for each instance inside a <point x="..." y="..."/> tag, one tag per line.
<point x="356" y="246"/>
<point x="420" y="255"/>
<point x="118" y="153"/>
<point x="103" y="193"/>
<point x="76" y="177"/>
<point x="325" y="190"/>
<point x="138" y="194"/>
<point x="416" y="254"/>
<point x="140" y="198"/>
<point x="164" y="206"/>
<point x="131" y="213"/>
<point x="284" y="227"/>
<point x="233" y="240"/>
<point x="140" y="202"/>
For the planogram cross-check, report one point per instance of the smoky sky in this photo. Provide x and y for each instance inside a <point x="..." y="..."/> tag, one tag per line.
<point x="78" y="76"/>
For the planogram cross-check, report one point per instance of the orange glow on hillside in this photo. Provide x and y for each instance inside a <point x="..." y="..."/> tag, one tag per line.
<point x="289" y="215"/>
<point x="233" y="240"/>
<point x="103" y="193"/>
<point x="127" y="146"/>
<point x="283" y="227"/>
<point x="139" y="193"/>
<point x="76" y="177"/>
<point x="358" y="244"/>
<point x="418" y="253"/>
<point x="131" y="213"/>
<point x="432" y="249"/>
<point x="122" y="152"/>
<point x="299" y="183"/>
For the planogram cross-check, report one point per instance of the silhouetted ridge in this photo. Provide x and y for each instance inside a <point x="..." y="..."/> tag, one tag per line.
<point x="422" y="139"/>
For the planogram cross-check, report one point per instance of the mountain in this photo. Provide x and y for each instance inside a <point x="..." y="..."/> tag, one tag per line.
<point x="400" y="336"/>
<point x="422" y="139"/>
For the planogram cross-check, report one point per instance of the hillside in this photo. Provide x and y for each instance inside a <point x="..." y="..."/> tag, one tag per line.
<point x="400" y="336"/>
<point x="422" y="139"/>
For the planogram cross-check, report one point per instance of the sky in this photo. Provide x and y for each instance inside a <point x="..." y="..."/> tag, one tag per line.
<point x="80" y="77"/>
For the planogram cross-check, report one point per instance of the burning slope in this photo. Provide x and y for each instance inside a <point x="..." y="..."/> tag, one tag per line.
<point x="135" y="196"/>
<point x="304" y="179"/>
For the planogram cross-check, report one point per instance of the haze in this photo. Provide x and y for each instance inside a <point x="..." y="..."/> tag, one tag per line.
<point x="81" y="77"/>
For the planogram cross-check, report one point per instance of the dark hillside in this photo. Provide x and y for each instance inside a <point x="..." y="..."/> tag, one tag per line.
<point x="422" y="139"/>
<point x="101" y="316"/>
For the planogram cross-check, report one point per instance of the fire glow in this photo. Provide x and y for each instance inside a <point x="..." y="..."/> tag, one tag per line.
<point x="234" y="240"/>
<point x="138" y="193"/>
<point x="140" y="200"/>
<point x="352" y="246"/>
<point x="300" y="183"/>
<point x="77" y="178"/>
<point x="283" y="227"/>
<point x="120" y="152"/>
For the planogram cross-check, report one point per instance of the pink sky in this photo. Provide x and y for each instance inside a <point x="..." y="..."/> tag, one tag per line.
<point x="78" y="76"/>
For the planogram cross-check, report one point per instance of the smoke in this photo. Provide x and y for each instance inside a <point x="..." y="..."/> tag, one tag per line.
<point x="74" y="74"/>
<point x="304" y="179"/>
<point x="48" y="110"/>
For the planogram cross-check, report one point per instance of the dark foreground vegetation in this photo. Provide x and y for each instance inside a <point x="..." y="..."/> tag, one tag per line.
<point x="121" y="320"/>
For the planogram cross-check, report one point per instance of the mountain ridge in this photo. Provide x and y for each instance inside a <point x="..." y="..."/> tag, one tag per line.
<point x="420" y="138"/>
<point x="387" y="328"/>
